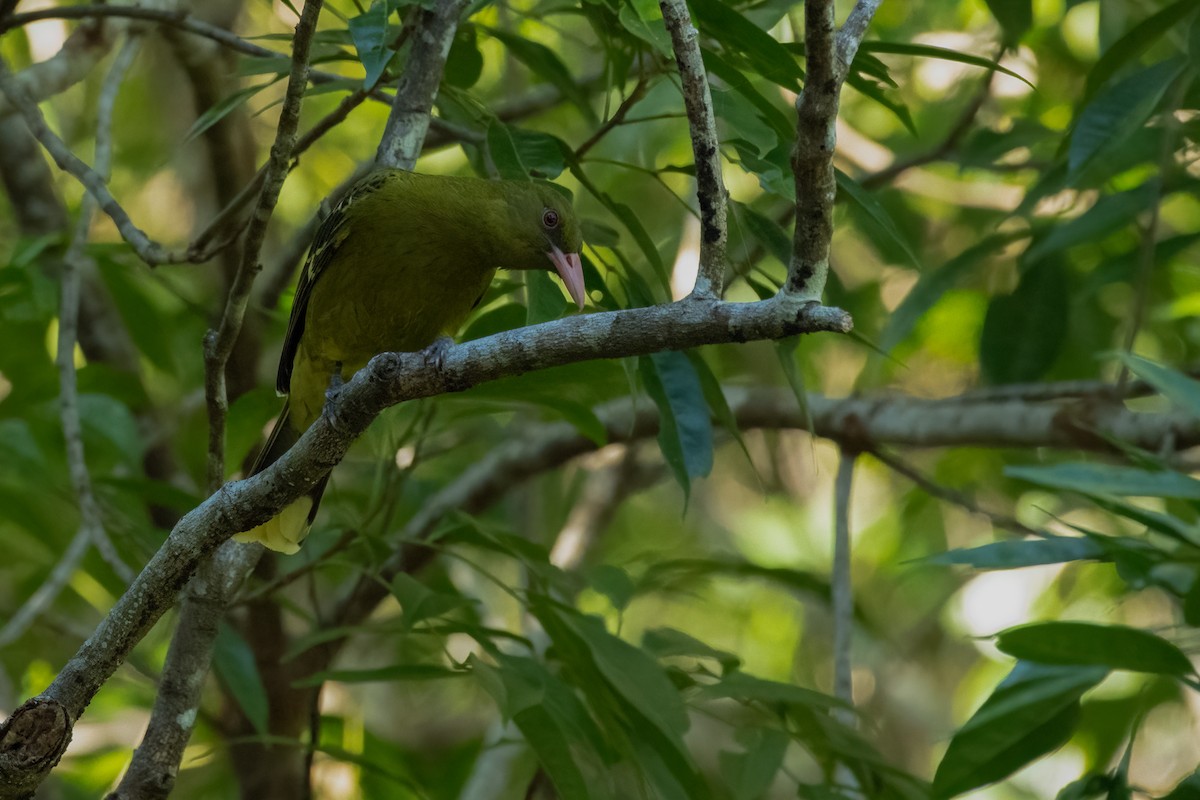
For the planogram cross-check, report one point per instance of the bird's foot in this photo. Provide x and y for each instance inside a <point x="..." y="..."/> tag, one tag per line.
<point x="336" y="382"/>
<point x="435" y="353"/>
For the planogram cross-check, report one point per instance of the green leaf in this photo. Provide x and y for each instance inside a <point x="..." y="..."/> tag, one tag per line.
<point x="420" y="603"/>
<point x="742" y="120"/>
<point x="629" y="219"/>
<point x="769" y="111"/>
<point x="884" y="97"/>
<point x="1104" y="479"/>
<point x="614" y="583"/>
<point x="749" y="774"/>
<point x="369" y="32"/>
<point x="1112" y="646"/>
<point x="1023" y="332"/>
<point x="109" y="427"/>
<point x="1134" y="43"/>
<point x="942" y="53"/>
<point x="648" y="698"/>
<point x="233" y="661"/>
<point x="1109" y="214"/>
<point x="748" y="688"/>
<point x="715" y="397"/>
<point x="392" y="673"/>
<point x="933" y="284"/>
<point x="648" y="30"/>
<point x="543" y="62"/>
<point x="551" y="718"/>
<point x="685" y="427"/>
<point x="1033" y="711"/>
<point x="1172" y="384"/>
<point x="222" y="109"/>
<point x="546" y="301"/>
<point x="1117" y="112"/>
<point x="739" y="35"/>
<point x="668" y="642"/>
<point x="502" y="151"/>
<point x="1023" y="553"/>
<point x="464" y="63"/>
<point x="542" y="154"/>
<point x="876" y="213"/>
<point x="1015" y="17"/>
<point x="768" y="233"/>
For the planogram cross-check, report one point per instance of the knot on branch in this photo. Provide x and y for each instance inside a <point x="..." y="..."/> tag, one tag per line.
<point x="32" y="741"/>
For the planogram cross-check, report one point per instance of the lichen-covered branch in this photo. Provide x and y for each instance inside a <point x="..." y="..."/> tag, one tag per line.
<point x="155" y="764"/>
<point x="828" y="55"/>
<point x="710" y="186"/>
<point x="408" y="121"/>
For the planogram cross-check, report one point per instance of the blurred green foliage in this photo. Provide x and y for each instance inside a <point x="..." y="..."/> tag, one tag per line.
<point x="1018" y="200"/>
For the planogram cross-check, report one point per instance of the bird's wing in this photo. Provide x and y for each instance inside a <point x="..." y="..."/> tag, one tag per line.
<point x="330" y="235"/>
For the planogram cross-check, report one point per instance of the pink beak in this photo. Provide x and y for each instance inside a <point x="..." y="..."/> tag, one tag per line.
<point x="570" y="269"/>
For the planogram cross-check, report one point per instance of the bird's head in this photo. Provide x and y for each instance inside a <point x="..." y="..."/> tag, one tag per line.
<point x="547" y="234"/>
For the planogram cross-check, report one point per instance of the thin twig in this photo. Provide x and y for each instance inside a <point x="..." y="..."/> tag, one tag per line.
<point x="955" y="135"/>
<point x="224" y="222"/>
<point x="636" y="94"/>
<point x="841" y="590"/>
<point x="175" y="19"/>
<point x="219" y="344"/>
<point x="149" y="251"/>
<point x="91" y="526"/>
<point x="706" y="147"/>
<point x="935" y="489"/>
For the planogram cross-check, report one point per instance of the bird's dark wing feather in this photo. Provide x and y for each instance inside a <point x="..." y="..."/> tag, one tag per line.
<point x="330" y="235"/>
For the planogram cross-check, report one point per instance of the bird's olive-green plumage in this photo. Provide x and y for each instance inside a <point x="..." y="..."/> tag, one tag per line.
<point x="401" y="261"/>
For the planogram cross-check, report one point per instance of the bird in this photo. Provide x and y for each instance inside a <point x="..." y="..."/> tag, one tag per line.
<point x="399" y="263"/>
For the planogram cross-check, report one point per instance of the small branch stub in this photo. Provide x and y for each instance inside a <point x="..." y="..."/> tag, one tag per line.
<point x="32" y="740"/>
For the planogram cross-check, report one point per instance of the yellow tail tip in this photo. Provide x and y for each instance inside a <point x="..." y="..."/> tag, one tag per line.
<point x="283" y="533"/>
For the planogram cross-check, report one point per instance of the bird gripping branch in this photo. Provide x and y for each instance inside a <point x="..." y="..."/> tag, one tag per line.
<point x="402" y="260"/>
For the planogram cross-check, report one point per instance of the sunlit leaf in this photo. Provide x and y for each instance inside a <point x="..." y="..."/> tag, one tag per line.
<point x="941" y="53"/>
<point x="1106" y="479"/>
<point x="765" y="55"/>
<point x="369" y="32"/>
<point x="1174" y="385"/>
<point x="1032" y="712"/>
<point x="1136" y="41"/>
<point x="1117" y="112"/>
<point x="1023" y="553"/>
<point x="1084" y="643"/>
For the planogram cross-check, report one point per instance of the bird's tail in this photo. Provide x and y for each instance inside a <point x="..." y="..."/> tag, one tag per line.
<point x="285" y="531"/>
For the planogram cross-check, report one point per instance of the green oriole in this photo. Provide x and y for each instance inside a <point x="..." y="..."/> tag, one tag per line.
<point x="402" y="260"/>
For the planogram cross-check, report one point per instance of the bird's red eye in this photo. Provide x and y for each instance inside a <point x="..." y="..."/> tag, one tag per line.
<point x="550" y="218"/>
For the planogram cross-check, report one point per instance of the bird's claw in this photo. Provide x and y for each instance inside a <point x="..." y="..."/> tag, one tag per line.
<point x="336" y="382"/>
<point x="435" y="353"/>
